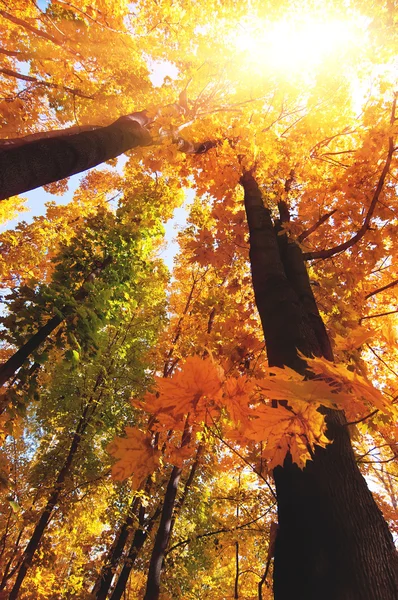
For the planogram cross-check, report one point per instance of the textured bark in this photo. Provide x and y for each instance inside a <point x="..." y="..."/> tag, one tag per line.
<point x="332" y="542"/>
<point x="43" y="161"/>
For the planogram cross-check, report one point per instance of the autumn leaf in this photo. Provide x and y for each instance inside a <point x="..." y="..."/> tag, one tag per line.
<point x="192" y="390"/>
<point x="283" y="430"/>
<point x="135" y="456"/>
<point x="236" y="398"/>
<point x="286" y="384"/>
<point x="341" y="377"/>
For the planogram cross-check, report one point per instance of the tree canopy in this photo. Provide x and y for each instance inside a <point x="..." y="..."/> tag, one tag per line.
<point x="188" y="434"/>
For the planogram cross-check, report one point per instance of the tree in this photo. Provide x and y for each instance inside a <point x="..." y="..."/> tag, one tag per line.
<point x="318" y="184"/>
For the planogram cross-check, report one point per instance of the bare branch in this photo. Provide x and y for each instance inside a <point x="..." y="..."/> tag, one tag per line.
<point x="366" y="224"/>
<point x="390" y="312"/>
<point x="38" y="82"/>
<point x="363" y="418"/>
<point x="381" y="289"/>
<point x="314" y="227"/>
<point x="382" y="360"/>
<point x="221" y="530"/>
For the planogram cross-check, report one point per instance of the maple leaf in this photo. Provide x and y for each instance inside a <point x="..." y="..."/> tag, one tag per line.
<point x="190" y="390"/>
<point x="296" y="431"/>
<point x="286" y="384"/>
<point x="136" y="456"/>
<point x="356" y="338"/>
<point x="357" y="387"/>
<point x="236" y="397"/>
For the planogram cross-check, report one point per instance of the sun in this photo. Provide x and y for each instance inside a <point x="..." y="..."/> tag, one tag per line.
<point x="297" y="44"/>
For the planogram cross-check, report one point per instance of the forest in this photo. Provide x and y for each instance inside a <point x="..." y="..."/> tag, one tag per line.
<point x="225" y="427"/>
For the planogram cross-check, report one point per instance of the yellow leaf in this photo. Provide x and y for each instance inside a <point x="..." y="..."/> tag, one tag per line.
<point x="356" y="386"/>
<point x="286" y="384"/>
<point x="296" y="431"/>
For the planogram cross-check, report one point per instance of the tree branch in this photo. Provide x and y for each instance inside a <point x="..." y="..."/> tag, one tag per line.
<point x="303" y="236"/>
<point x="35" y="30"/>
<point x="38" y="82"/>
<point x="390" y="312"/>
<point x="382" y="289"/>
<point x="366" y="224"/>
<point x="221" y="530"/>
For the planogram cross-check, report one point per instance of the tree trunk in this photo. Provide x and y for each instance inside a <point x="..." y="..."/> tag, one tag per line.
<point x="43" y="161"/>
<point x="332" y="542"/>
<point x="139" y="538"/>
<point x="103" y="583"/>
<point x="9" y="368"/>
<point x="165" y="526"/>
<point x="37" y="535"/>
<point x="162" y="536"/>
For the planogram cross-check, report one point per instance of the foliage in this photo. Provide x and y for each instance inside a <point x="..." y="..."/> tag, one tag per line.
<point x="155" y="373"/>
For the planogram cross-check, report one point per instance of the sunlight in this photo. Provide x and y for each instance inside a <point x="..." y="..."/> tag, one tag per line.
<point x="288" y="45"/>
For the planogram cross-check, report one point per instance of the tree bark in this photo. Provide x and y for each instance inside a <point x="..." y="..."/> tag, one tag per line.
<point x="162" y="537"/>
<point x="103" y="583"/>
<point x="138" y="541"/>
<point x="332" y="542"/>
<point x="41" y="525"/>
<point x="43" y="161"/>
<point x="165" y="526"/>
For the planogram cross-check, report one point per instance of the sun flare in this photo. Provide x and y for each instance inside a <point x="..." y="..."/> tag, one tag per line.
<point x="288" y="45"/>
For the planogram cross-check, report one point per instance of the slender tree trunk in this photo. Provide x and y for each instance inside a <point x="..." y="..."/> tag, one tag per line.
<point x="332" y="542"/>
<point x="236" y="582"/>
<point x="37" y="535"/>
<point x="43" y="161"/>
<point x="138" y="541"/>
<point x="103" y="583"/>
<point x="10" y="367"/>
<point x="165" y="526"/>
<point x="162" y="537"/>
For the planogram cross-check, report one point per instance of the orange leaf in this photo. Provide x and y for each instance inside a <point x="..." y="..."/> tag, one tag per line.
<point x="136" y="456"/>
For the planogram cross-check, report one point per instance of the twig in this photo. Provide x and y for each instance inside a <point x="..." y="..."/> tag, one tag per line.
<point x="382" y="360"/>
<point x="390" y="312"/>
<point x="382" y="289"/>
<point x="314" y="227"/>
<point x="363" y="418"/>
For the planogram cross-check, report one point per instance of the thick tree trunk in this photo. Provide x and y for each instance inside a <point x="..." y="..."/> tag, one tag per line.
<point x="332" y="542"/>
<point x="43" y="161"/>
